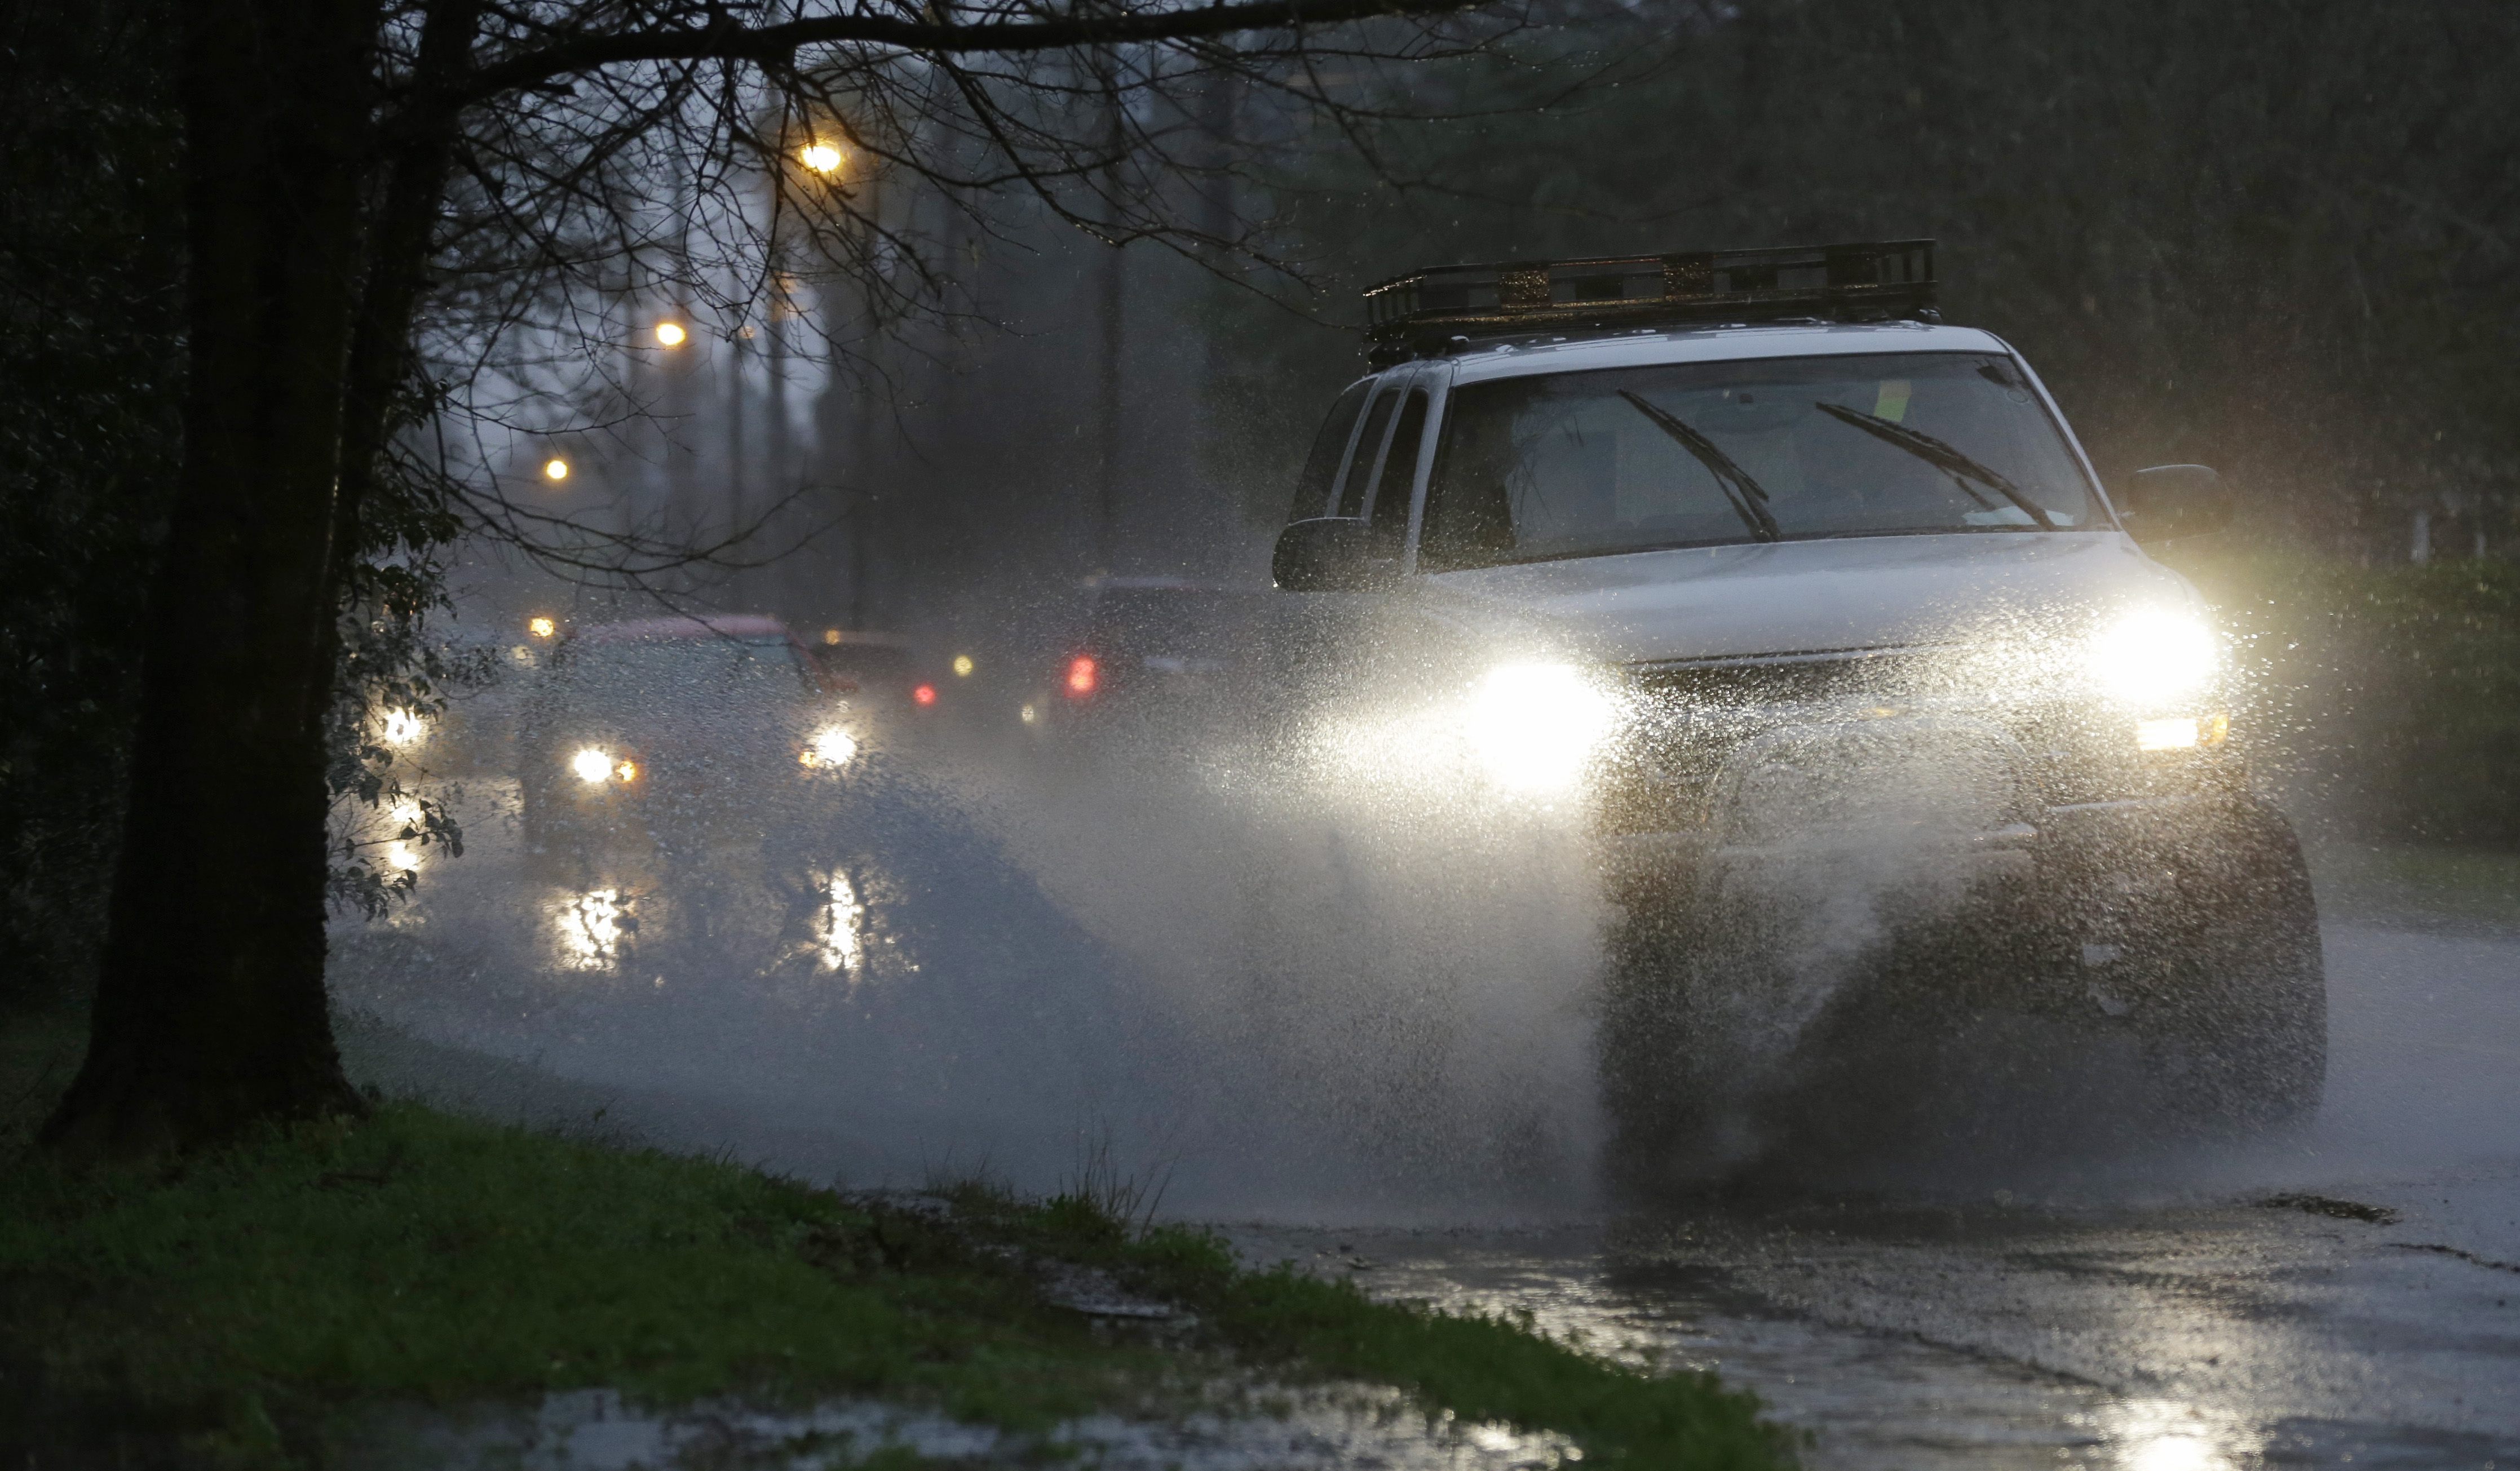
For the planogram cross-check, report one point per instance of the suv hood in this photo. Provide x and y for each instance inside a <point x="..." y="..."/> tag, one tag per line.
<point x="1799" y="596"/>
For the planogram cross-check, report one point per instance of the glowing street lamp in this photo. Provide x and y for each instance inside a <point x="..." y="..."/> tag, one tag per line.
<point x="824" y="159"/>
<point x="671" y="334"/>
<point x="554" y="469"/>
<point x="541" y="627"/>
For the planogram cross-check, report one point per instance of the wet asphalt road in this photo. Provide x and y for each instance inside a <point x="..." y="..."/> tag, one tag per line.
<point x="2345" y="1295"/>
<point x="2349" y="1296"/>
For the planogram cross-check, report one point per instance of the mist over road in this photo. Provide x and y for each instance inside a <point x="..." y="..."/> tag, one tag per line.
<point x="1021" y="984"/>
<point x="2198" y="1309"/>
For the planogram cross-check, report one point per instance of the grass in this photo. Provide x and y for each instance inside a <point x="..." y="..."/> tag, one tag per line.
<point x="2388" y="697"/>
<point x="1478" y="1367"/>
<point x="2405" y="882"/>
<point x="236" y="1308"/>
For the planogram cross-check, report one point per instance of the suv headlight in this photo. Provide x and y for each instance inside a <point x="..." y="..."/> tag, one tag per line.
<point x="2154" y="657"/>
<point x="1536" y="727"/>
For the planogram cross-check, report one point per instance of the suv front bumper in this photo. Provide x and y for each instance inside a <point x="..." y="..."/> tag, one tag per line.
<point x="2080" y="837"/>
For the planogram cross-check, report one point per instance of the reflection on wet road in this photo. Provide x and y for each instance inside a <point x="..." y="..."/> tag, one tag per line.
<point x="874" y="994"/>
<point x="2204" y="1310"/>
<point x="893" y="995"/>
<point x="842" y="926"/>
<point x="591" y="928"/>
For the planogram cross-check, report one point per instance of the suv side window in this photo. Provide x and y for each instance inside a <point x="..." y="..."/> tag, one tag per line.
<point x="1360" y="466"/>
<point x="1399" y="474"/>
<point x="1330" y="447"/>
<point x="1468" y="521"/>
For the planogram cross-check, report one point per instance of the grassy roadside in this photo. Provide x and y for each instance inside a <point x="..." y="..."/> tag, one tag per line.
<point x="239" y="1309"/>
<point x="2403" y="883"/>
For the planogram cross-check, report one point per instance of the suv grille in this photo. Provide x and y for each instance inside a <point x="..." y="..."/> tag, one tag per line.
<point x="1758" y="746"/>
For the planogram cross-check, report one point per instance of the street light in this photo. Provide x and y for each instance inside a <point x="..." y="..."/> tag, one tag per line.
<point x="821" y="157"/>
<point x="554" y="469"/>
<point x="542" y="627"/>
<point x="670" y="334"/>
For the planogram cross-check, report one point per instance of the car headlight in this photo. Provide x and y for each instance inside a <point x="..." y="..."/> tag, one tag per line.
<point x="595" y="766"/>
<point x="1535" y="727"/>
<point x="832" y="746"/>
<point x="2154" y="656"/>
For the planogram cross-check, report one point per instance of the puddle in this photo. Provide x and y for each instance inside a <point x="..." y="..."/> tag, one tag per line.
<point x="1251" y="1428"/>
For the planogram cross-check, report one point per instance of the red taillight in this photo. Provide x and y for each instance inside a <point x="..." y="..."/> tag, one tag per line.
<point x="1083" y="673"/>
<point x="925" y="694"/>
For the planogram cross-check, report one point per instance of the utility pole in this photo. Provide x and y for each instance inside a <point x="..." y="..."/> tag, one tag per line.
<point x="681" y="364"/>
<point x="737" y="451"/>
<point x="1112" y="310"/>
<point x="861" y="494"/>
<point x="778" y="451"/>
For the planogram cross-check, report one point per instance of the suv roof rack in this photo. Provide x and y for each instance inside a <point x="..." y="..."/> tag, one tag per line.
<point x="1870" y="282"/>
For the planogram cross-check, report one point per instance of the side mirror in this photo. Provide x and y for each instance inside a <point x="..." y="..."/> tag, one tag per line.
<point x="1330" y="553"/>
<point x="2172" y="501"/>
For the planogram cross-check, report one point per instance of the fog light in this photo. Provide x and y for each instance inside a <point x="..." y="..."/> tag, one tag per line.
<point x="2184" y="732"/>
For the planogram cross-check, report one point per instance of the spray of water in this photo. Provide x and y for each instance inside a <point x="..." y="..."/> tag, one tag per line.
<point x="1350" y="953"/>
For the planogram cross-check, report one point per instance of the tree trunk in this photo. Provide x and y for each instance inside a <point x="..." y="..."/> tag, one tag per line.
<point x="210" y="1006"/>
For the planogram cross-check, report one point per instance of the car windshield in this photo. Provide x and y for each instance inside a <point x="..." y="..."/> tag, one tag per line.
<point x="650" y="676"/>
<point x="1697" y="453"/>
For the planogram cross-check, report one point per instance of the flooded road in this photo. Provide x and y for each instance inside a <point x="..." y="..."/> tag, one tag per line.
<point x="2348" y="1297"/>
<point x="920" y="995"/>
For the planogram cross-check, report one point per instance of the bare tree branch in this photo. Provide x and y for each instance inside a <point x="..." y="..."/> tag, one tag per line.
<point x="723" y="38"/>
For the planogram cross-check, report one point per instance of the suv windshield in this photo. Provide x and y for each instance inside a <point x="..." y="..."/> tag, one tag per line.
<point x="1698" y="454"/>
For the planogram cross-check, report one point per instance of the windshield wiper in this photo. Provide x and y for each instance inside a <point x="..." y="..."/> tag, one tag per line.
<point x="1743" y="494"/>
<point x="1941" y="457"/>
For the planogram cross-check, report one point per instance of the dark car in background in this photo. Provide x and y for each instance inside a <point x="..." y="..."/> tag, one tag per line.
<point x="1141" y="645"/>
<point x="891" y="675"/>
<point x="674" y="732"/>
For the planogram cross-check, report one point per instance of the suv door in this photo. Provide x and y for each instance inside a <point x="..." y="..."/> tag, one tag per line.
<point x="1399" y="472"/>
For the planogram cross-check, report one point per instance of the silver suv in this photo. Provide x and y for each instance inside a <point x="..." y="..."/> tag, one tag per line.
<point x="1798" y="594"/>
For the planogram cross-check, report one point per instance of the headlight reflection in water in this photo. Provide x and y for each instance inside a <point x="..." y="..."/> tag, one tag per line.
<point x="403" y="850"/>
<point x="842" y="927"/>
<point x="591" y="928"/>
<point x="833" y="746"/>
<point x="2155" y="1434"/>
